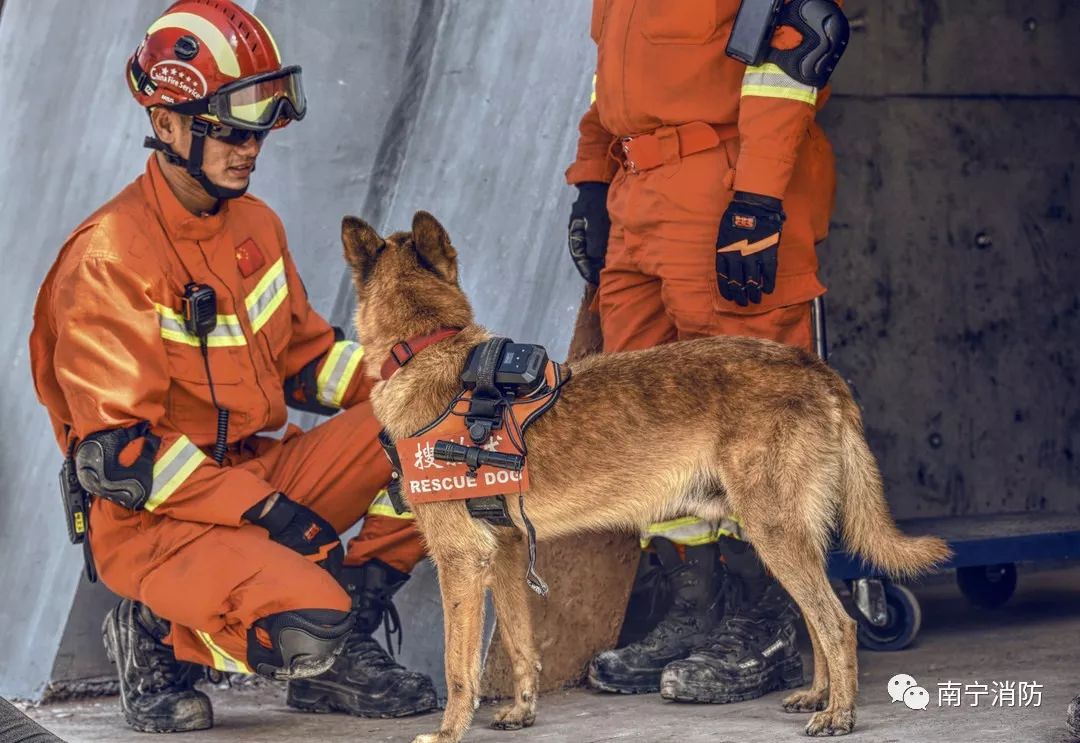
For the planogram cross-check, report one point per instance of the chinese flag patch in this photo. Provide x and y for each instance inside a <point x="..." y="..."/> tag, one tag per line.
<point x="249" y="258"/>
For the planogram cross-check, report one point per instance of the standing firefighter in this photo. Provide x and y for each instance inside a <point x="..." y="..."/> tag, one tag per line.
<point x="170" y="331"/>
<point x="703" y="186"/>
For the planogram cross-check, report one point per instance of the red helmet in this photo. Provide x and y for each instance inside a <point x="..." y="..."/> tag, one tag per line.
<point x="213" y="59"/>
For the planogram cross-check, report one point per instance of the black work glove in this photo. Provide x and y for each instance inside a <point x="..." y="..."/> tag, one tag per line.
<point x="301" y="530"/>
<point x="589" y="228"/>
<point x="746" y="248"/>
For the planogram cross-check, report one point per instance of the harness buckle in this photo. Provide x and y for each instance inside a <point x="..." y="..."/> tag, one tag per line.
<point x="406" y="350"/>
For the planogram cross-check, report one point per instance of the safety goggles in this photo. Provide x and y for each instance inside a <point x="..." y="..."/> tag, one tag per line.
<point x="260" y="102"/>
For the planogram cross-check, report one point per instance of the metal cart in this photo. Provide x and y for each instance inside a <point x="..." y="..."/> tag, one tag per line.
<point x="986" y="551"/>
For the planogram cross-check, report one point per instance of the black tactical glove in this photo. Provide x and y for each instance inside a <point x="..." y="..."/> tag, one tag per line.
<point x="746" y="248"/>
<point x="589" y="229"/>
<point x="301" y="530"/>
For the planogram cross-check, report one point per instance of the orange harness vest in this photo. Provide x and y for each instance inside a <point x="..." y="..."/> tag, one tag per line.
<point x="475" y="451"/>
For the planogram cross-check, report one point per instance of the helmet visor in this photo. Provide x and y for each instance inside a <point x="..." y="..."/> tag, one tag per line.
<point x="261" y="102"/>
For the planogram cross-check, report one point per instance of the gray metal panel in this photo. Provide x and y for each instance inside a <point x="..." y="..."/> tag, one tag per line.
<point x="313" y="171"/>
<point x="70" y="140"/>
<point x="502" y="87"/>
<point x="507" y="85"/>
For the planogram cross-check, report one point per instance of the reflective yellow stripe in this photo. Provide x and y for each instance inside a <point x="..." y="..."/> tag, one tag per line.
<point x="769" y="81"/>
<point x="172" y="469"/>
<point x="688" y="531"/>
<point x="592" y="97"/>
<point x="730" y="526"/>
<point x="267" y="295"/>
<point x="209" y="34"/>
<point x="222" y="660"/>
<point x="382" y="506"/>
<point x="763" y="91"/>
<point x="228" y="331"/>
<point x="338" y="371"/>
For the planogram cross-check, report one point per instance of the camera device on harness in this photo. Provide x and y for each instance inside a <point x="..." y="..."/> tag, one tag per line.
<point x="506" y="386"/>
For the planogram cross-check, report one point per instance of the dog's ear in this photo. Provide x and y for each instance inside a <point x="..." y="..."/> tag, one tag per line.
<point x="362" y="244"/>
<point x="433" y="246"/>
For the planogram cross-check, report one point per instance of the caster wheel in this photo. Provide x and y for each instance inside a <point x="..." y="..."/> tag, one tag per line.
<point x="904" y="620"/>
<point x="987" y="586"/>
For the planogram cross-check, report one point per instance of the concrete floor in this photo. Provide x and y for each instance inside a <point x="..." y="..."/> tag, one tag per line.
<point x="1032" y="639"/>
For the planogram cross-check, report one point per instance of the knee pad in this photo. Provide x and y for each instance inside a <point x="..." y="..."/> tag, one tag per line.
<point x="297" y="644"/>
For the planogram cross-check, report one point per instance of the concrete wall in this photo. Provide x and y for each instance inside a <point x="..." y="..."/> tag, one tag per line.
<point x="951" y="264"/>
<point x="952" y="261"/>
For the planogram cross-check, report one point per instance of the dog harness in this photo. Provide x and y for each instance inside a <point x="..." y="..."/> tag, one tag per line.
<point x="475" y="449"/>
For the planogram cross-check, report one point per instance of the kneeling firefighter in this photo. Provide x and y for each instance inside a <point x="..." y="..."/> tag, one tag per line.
<point x="704" y="185"/>
<point x="172" y="329"/>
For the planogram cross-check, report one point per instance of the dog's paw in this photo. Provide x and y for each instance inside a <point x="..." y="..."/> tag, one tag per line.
<point x="514" y="717"/>
<point x="436" y="737"/>
<point x="806" y="700"/>
<point x="831" y="722"/>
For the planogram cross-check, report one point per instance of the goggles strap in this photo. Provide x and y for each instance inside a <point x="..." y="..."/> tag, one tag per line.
<point x="193" y="165"/>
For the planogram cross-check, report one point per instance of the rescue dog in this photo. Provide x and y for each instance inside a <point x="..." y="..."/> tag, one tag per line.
<point x="705" y="428"/>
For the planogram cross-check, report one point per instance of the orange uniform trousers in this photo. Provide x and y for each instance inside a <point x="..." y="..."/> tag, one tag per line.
<point x="212" y="582"/>
<point x="659" y="280"/>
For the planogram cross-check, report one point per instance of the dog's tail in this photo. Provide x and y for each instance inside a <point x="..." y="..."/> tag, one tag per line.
<point x="867" y="526"/>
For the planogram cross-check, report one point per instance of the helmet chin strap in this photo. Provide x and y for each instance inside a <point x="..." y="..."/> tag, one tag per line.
<point x="193" y="164"/>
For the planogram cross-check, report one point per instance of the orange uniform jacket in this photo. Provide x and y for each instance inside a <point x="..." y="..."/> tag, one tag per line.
<point x="109" y="348"/>
<point x="662" y="63"/>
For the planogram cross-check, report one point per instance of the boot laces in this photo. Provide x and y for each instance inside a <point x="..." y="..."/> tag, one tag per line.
<point x="747" y="627"/>
<point x="362" y="645"/>
<point x="736" y="634"/>
<point x="680" y="619"/>
<point x="160" y="671"/>
<point x="366" y="649"/>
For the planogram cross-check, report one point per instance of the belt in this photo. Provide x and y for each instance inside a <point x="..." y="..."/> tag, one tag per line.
<point x="670" y="143"/>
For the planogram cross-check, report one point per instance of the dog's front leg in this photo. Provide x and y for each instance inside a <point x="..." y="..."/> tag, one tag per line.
<point x="461" y="582"/>
<point x="514" y="621"/>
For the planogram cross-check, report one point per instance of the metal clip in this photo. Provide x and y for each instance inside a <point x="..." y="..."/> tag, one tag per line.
<point x="630" y="164"/>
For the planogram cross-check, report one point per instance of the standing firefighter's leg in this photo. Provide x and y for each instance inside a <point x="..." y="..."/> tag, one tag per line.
<point x="636" y="668"/>
<point x="753" y="650"/>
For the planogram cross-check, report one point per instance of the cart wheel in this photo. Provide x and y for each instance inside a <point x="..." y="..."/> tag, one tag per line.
<point x="904" y="620"/>
<point x="988" y="586"/>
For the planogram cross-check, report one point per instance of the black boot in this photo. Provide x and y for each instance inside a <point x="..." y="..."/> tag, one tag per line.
<point x="157" y="692"/>
<point x="649" y="602"/>
<point x="364" y="680"/>
<point x="753" y="649"/>
<point x="636" y="668"/>
<point x="1072" y="717"/>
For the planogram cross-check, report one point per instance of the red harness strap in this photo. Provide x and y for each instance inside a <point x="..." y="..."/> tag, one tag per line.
<point x="402" y="352"/>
